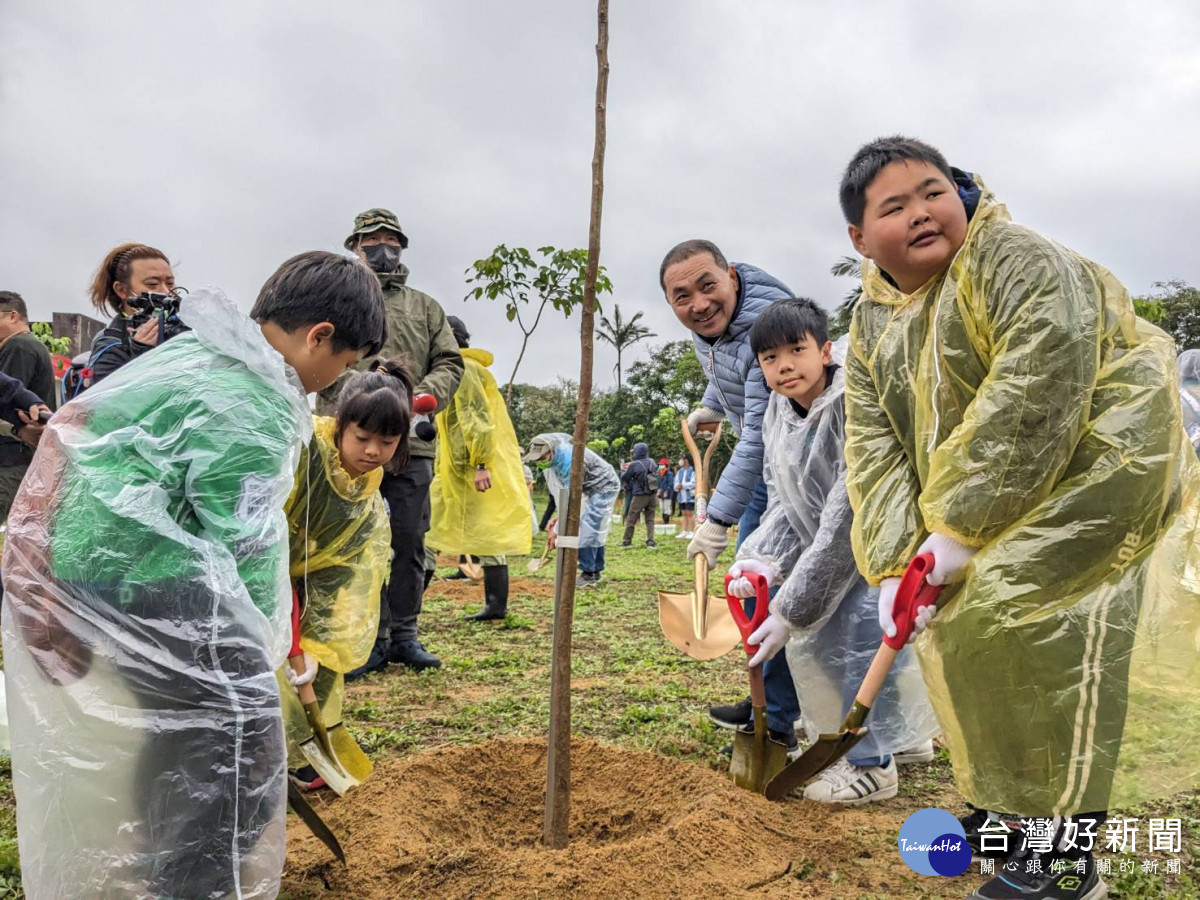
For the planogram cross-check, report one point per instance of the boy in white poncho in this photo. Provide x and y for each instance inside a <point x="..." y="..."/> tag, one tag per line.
<point x="803" y="547"/>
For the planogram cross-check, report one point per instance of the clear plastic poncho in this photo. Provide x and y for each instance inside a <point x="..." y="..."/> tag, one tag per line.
<point x="1189" y="394"/>
<point x="475" y="429"/>
<point x="1015" y="403"/>
<point x="805" y="534"/>
<point x="341" y="553"/>
<point x="600" y="487"/>
<point x="146" y="608"/>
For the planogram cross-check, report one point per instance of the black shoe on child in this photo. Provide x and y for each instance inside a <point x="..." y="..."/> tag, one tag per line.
<point x="376" y="662"/>
<point x="1045" y="876"/>
<point x="588" y="579"/>
<point x="991" y="835"/>
<point x="651" y="544"/>
<point x="787" y="739"/>
<point x="306" y="778"/>
<point x="412" y="654"/>
<point x="735" y="715"/>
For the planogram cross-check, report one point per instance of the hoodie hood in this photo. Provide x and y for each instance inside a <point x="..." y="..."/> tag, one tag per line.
<point x="640" y="451"/>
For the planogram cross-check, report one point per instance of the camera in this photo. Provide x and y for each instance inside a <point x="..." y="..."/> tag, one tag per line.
<point x="164" y="307"/>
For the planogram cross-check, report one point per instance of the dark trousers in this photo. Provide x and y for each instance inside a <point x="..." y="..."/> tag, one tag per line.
<point x="407" y="496"/>
<point x="211" y="770"/>
<point x="642" y="505"/>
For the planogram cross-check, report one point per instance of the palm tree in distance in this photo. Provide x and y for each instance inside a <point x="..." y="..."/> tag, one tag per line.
<point x="845" y="267"/>
<point x="622" y="334"/>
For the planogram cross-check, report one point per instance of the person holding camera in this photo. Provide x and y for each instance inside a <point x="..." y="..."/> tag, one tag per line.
<point x="25" y="358"/>
<point x="135" y="283"/>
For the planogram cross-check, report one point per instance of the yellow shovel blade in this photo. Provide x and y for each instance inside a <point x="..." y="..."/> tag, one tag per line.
<point x="347" y="752"/>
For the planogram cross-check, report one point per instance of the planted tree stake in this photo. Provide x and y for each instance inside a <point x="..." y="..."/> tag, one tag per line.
<point x="558" y="758"/>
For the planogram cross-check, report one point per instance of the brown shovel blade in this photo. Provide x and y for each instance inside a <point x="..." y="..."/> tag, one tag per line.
<point x="756" y="758"/>
<point x="828" y="749"/>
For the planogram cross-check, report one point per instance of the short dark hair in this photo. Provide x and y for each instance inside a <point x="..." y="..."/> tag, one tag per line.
<point x="787" y="322"/>
<point x="379" y="401"/>
<point x="319" y="286"/>
<point x="869" y="161"/>
<point x="686" y="250"/>
<point x="10" y="300"/>
<point x="461" y="335"/>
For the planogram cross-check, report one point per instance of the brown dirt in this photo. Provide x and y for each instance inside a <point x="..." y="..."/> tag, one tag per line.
<point x="466" y="822"/>
<point x="463" y="591"/>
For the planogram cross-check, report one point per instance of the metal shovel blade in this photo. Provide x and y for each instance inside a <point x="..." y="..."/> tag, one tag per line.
<point x="315" y="823"/>
<point x="535" y="564"/>
<point x="827" y="750"/>
<point x="675" y="616"/>
<point x="318" y="750"/>
<point x="756" y="758"/>
<point x="347" y="752"/>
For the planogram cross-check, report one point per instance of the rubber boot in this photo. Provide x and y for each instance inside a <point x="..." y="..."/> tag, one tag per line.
<point x="495" y="594"/>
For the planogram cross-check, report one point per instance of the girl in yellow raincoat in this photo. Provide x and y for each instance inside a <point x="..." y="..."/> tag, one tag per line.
<point x="1007" y="412"/>
<point x="479" y="501"/>
<point x="341" y="543"/>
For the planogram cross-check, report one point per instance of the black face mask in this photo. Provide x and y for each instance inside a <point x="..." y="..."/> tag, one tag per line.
<point x="382" y="258"/>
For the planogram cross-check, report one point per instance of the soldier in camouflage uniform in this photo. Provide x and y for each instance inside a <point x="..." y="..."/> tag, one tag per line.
<point x="418" y="332"/>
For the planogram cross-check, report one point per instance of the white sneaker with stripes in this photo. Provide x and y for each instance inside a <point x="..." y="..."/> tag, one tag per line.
<point x="843" y="784"/>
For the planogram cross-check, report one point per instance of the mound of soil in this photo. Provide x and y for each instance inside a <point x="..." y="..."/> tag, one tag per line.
<point x="466" y="822"/>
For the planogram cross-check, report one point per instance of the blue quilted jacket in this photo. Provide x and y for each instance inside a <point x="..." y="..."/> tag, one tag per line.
<point x="736" y="386"/>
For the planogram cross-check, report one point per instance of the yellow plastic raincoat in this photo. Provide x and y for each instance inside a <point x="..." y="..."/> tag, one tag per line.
<point x="340" y="542"/>
<point x="474" y="429"/>
<point x="1016" y="404"/>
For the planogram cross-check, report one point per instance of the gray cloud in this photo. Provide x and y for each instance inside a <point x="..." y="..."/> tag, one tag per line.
<point x="233" y="134"/>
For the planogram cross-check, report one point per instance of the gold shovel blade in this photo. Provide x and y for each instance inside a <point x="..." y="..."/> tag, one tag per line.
<point x="675" y="618"/>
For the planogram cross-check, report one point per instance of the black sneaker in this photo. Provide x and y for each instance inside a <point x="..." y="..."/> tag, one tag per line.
<point x="732" y="716"/>
<point x="412" y="654"/>
<point x="991" y="835"/>
<point x="626" y="543"/>
<point x="1055" y="876"/>
<point x="588" y="580"/>
<point x="651" y="544"/>
<point x="376" y="662"/>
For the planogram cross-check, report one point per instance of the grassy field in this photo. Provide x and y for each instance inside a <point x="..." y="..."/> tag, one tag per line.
<point x="631" y="688"/>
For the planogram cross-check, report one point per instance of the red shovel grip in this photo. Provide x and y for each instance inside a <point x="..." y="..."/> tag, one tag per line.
<point x="762" y="607"/>
<point x="914" y="592"/>
<point x="295" y="651"/>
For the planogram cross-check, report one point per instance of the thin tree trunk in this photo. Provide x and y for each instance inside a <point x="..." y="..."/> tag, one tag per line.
<point x="558" y="758"/>
<point x="512" y="378"/>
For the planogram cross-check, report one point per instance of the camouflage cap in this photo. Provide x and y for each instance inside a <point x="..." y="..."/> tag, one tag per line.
<point x="373" y="220"/>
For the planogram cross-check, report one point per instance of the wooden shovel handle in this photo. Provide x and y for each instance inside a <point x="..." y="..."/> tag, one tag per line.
<point x="304" y="691"/>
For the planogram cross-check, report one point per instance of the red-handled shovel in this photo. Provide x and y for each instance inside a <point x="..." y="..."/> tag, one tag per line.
<point x="756" y="758"/>
<point x="914" y="592"/>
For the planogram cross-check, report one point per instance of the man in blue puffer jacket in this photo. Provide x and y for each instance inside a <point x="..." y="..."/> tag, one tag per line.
<point x="718" y="303"/>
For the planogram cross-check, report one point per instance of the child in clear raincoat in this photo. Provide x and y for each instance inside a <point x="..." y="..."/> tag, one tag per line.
<point x="600" y="487"/>
<point x="803" y="545"/>
<point x="341" y="548"/>
<point x="147" y="600"/>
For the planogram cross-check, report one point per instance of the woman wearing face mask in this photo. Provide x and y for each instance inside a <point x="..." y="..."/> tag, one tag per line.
<point x="128" y="271"/>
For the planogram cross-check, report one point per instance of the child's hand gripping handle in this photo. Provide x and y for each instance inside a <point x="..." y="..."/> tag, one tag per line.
<point x="748" y="625"/>
<point x="914" y="592"/>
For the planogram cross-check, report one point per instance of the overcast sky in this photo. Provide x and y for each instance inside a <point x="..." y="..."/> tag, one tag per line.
<point x="234" y="134"/>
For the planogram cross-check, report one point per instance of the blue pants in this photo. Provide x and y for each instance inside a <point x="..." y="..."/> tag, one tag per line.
<point x="783" y="709"/>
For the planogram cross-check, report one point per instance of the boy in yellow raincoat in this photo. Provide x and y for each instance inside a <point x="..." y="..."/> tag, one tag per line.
<point x="1007" y="412"/>
<point x="480" y="504"/>
<point x="341" y="544"/>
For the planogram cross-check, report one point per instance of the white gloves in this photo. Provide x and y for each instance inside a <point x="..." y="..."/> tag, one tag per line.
<point x="310" y="672"/>
<point x="887" y="599"/>
<point x="770" y="637"/>
<point x="705" y="415"/>
<point x="710" y="539"/>
<point x="740" y="586"/>
<point x="949" y="558"/>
